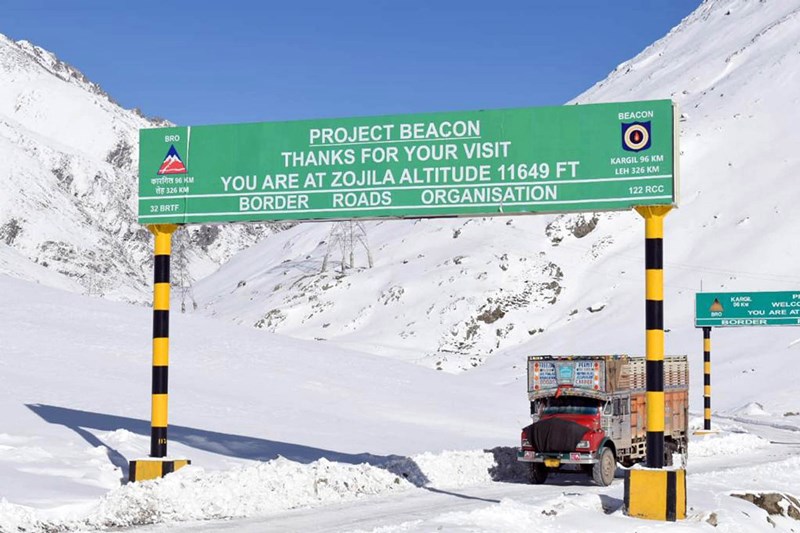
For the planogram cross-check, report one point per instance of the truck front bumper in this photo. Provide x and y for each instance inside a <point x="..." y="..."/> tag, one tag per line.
<point x="557" y="459"/>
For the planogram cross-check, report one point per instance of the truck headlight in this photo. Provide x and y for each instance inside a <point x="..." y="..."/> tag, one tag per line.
<point x="583" y="444"/>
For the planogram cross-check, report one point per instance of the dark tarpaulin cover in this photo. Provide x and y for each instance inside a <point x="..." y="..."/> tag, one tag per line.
<point x="556" y="435"/>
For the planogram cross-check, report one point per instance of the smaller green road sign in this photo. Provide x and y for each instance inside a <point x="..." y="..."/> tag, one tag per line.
<point x="729" y="309"/>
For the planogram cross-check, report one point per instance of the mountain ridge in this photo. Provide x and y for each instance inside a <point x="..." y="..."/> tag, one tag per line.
<point x="68" y="163"/>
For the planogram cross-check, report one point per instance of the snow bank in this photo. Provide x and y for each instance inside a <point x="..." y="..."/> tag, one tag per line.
<point x="725" y="444"/>
<point x="18" y="518"/>
<point x="279" y="485"/>
<point x="456" y="469"/>
<point x="193" y="493"/>
<point x="263" y="488"/>
<point x="752" y="409"/>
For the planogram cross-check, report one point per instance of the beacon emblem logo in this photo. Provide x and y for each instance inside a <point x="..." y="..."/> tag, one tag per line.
<point x="636" y="136"/>
<point x="173" y="164"/>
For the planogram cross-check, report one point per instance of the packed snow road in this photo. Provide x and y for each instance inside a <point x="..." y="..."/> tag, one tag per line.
<point x="417" y="510"/>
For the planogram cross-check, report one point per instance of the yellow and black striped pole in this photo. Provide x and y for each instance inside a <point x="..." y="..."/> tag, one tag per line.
<point x="655" y="493"/>
<point x="707" y="378"/>
<point x="157" y="466"/>
<point x="158" y="420"/>
<point x="654" y="320"/>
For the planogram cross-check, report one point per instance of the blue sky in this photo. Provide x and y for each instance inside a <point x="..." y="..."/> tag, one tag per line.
<point x="198" y="62"/>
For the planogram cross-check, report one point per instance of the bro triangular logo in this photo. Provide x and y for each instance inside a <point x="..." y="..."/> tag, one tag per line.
<point x="173" y="164"/>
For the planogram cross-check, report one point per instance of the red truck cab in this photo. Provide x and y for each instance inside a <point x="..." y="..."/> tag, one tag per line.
<point x="568" y="430"/>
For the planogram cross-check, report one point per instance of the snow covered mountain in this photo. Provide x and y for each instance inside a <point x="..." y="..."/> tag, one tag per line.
<point x="447" y="293"/>
<point x="68" y="178"/>
<point x="274" y="424"/>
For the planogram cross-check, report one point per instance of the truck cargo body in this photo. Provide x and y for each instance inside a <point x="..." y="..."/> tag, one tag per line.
<point x="581" y="405"/>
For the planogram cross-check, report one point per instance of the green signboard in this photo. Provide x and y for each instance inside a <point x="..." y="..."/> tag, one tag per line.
<point x="727" y="309"/>
<point x="533" y="160"/>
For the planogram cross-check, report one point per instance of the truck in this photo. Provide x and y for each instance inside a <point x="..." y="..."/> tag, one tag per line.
<point x="588" y="413"/>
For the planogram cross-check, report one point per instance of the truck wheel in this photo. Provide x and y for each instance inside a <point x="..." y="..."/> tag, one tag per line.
<point x="538" y="473"/>
<point x="604" y="469"/>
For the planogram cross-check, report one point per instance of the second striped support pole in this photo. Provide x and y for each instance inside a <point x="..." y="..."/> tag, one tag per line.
<point x="707" y="379"/>
<point x="706" y="384"/>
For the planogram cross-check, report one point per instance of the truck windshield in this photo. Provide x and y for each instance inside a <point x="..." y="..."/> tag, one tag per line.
<point x="572" y="405"/>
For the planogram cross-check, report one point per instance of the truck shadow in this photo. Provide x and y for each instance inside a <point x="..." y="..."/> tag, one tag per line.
<point x="506" y="467"/>
<point x="239" y="446"/>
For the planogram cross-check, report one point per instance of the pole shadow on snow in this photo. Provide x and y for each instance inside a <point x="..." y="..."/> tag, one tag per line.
<point x="239" y="446"/>
<point x="505" y="469"/>
<point x="610" y="504"/>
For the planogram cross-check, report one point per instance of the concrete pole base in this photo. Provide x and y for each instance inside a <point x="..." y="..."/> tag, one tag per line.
<point x="655" y="494"/>
<point x="705" y="432"/>
<point x="154" y="468"/>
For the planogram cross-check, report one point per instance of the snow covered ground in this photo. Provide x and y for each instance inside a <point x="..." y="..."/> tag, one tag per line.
<point x="273" y="425"/>
<point x="75" y="400"/>
<point x="328" y="415"/>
